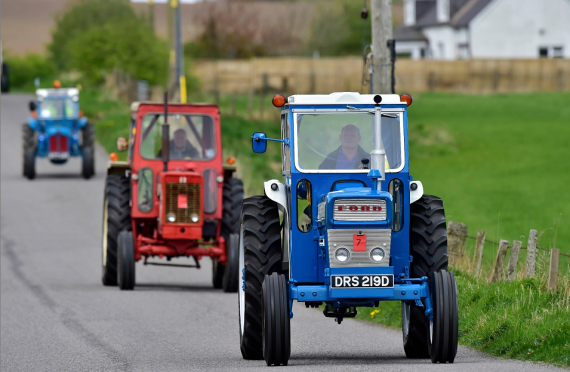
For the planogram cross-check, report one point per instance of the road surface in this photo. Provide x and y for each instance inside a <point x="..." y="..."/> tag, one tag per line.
<point x="57" y="316"/>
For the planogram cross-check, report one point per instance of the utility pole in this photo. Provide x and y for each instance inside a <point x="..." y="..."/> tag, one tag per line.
<point x="381" y="33"/>
<point x="151" y="13"/>
<point x="177" y="85"/>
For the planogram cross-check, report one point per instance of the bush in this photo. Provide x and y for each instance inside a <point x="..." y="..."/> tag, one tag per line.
<point x="24" y="69"/>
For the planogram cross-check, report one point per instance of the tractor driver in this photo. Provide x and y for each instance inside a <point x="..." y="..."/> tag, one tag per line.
<point x="180" y="147"/>
<point x="349" y="154"/>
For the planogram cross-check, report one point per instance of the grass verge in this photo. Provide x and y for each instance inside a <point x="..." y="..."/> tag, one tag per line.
<point x="518" y="319"/>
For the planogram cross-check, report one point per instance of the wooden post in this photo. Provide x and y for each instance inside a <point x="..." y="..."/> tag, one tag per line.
<point x="513" y="260"/>
<point x="553" y="272"/>
<point x="381" y="20"/>
<point x="233" y="104"/>
<point x="479" y="245"/>
<point x="250" y="104"/>
<point x="531" y="254"/>
<point x="456" y="235"/>
<point x="499" y="262"/>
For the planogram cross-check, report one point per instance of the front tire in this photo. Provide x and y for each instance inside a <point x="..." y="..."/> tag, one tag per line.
<point x="231" y="280"/>
<point x="126" y="261"/>
<point x="88" y="165"/>
<point x="276" y="320"/>
<point x="232" y="196"/>
<point x="116" y="218"/>
<point x="443" y="333"/>
<point x="259" y="255"/>
<point x="28" y="152"/>
<point x="428" y="247"/>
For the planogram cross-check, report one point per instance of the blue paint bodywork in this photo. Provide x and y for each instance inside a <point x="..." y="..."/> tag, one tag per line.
<point x="68" y="126"/>
<point x="309" y="270"/>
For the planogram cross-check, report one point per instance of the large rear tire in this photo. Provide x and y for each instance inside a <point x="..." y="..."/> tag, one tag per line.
<point x="28" y="152"/>
<point x="428" y="247"/>
<point x="116" y="218"/>
<point x="126" y="261"/>
<point x="232" y="196"/>
<point x="259" y="255"/>
<point x="443" y="333"/>
<point x="276" y="320"/>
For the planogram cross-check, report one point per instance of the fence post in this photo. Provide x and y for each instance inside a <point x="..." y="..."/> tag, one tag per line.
<point x="250" y="104"/>
<point x="456" y="235"/>
<point x="233" y="104"/>
<point x="499" y="261"/>
<point x="553" y="272"/>
<point x="479" y="245"/>
<point x="531" y="254"/>
<point x="513" y="259"/>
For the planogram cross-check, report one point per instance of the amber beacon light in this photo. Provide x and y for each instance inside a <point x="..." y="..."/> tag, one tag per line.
<point x="406" y="98"/>
<point x="278" y="100"/>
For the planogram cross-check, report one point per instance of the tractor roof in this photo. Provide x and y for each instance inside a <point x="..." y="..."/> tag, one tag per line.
<point x="64" y="92"/>
<point x="347" y="98"/>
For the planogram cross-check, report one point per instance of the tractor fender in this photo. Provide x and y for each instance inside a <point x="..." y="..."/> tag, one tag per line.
<point x="119" y="167"/>
<point x="416" y="194"/>
<point x="81" y="122"/>
<point x="34" y="124"/>
<point x="279" y="196"/>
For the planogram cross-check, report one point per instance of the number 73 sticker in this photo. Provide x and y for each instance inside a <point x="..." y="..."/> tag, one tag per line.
<point x="359" y="242"/>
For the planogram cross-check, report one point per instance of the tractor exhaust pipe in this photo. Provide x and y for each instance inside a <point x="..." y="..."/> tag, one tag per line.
<point x="165" y="135"/>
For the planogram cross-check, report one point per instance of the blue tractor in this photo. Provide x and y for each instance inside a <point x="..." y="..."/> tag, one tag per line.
<point x="57" y="130"/>
<point x="347" y="227"/>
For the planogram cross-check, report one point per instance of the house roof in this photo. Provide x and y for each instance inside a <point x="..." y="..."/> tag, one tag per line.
<point x="461" y="14"/>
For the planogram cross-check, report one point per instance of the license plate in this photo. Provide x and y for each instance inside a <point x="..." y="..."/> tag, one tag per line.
<point x="362" y="281"/>
<point x="58" y="155"/>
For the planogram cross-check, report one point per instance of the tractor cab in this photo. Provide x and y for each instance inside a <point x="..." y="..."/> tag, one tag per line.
<point x="179" y="195"/>
<point x="357" y="229"/>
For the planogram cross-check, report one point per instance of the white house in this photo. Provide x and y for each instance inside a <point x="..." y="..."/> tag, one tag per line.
<point x="462" y="29"/>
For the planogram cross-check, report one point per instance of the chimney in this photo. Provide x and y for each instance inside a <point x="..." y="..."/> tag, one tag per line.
<point x="443" y="11"/>
<point x="409" y="12"/>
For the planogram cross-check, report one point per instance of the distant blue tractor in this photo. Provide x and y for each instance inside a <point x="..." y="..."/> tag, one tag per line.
<point x="347" y="228"/>
<point x="57" y="130"/>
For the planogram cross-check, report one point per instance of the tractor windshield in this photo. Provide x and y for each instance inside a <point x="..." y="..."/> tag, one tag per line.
<point x="341" y="142"/>
<point x="57" y="108"/>
<point x="191" y="136"/>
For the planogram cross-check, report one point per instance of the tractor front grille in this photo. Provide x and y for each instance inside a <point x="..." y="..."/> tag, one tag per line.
<point x="193" y="198"/>
<point x="344" y="238"/>
<point x="58" y="143"/>
<point x="359" y="210"/>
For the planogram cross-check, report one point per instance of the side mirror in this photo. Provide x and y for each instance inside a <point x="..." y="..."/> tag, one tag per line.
<point x="122" y="144"/>
<point x="259" y="142"/>
<point x="33" y="106"/>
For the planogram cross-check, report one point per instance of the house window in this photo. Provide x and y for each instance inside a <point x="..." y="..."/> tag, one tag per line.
<point x="423" y="53"/>
<point x="543" y="52"/>
<point x="463" y="51"/>
<point x="558" y="52"/>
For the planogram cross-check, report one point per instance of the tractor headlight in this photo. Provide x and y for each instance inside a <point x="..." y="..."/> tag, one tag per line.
<point x="377" y="254"/>
<point x="171" y="217"/>
<point x="194" y="217"/>
<point x="342" y="255"/>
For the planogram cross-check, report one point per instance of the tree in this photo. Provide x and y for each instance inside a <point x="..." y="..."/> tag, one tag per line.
<point x="78" y="18"/>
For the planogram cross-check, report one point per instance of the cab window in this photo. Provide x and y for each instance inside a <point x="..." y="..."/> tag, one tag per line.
<point x="191" y="136"/>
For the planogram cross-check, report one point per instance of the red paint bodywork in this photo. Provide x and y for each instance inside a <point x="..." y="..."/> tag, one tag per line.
<point x="152" y="237"/>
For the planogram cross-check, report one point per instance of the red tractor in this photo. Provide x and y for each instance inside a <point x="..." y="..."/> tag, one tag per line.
<point x="173" y="197"/>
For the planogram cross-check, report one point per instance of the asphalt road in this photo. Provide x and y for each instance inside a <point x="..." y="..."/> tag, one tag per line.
<point x="57" y="316"/>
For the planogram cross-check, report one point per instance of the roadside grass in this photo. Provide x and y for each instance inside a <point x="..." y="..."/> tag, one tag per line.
<point x="517" y="319"/>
